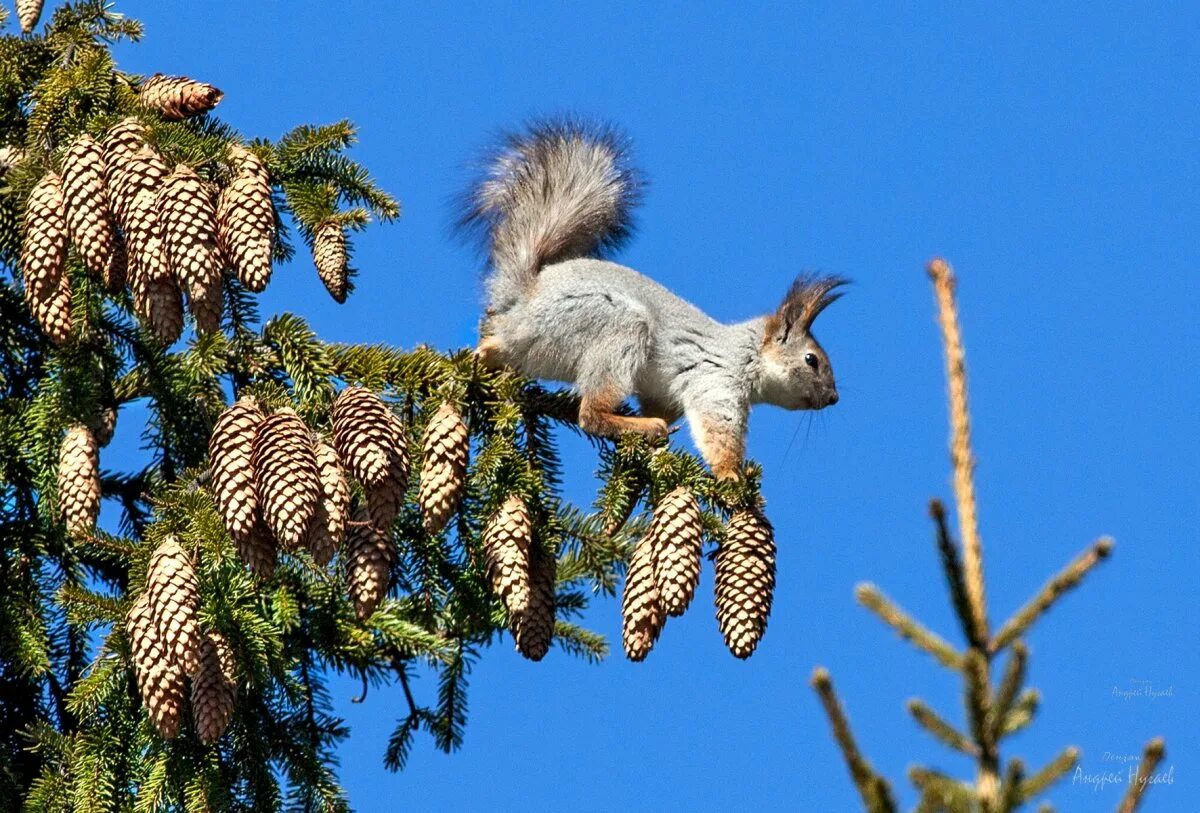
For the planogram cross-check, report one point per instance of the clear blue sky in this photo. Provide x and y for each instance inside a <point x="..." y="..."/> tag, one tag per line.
<point x="1049" y="152"/>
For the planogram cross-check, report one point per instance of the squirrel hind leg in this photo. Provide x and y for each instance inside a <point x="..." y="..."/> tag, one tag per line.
<point x="597" y="416"/>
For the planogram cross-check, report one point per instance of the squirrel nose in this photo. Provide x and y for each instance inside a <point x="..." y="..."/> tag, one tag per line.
<point x="833" y="398"/>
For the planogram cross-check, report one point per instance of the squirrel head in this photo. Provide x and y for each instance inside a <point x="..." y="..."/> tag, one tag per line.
<point x="794" y="370"/>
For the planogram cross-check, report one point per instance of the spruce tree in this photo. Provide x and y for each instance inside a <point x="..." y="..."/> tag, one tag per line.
<point x="302" y="508"/>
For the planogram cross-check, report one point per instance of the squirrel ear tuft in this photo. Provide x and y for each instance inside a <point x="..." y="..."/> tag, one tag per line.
<point x="806" y="298"/>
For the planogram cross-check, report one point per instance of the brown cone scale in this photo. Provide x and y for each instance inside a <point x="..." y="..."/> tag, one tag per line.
<point x="246" y="222"/>
<point x="676" y="535"/>
<point x="28" y="14"/>
<point x="369" y="556"/>
<point x="332" y="260"/>
<point x="178" y="97"/>
<point x="44" y="257"/>
<point x="230" y="447"/>
<point x="533" y="627"/>
<point x="286" y="479"/>
<point x="79" y="479"/>
<point x="89" y="222"/>
<point x="175" y="598"/>
<point x="368" y="438"/>
<point x="641" y="610"/>
<point x="745" y="581"/>
<point x="443" y="467"/>
<point x="329" y="526"/>
<point x="160" y="680"/>
<point x="214" y="691"/>
<point x="506" y="542"/>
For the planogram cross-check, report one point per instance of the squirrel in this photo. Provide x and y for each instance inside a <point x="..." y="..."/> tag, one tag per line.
<point x="553" y="202"/>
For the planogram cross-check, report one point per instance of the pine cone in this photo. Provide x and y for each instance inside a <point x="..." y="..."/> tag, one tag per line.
<point x="175" y="598"/>
<point x="28" y="14"/>
<point x="368" y="438"/>
<point x="160" y="680"/>
<point x="189" y="229"/>
<point x="79" y="479"/>
<point x="641" y="608"/>
<point x="506" y="542"/>
<point x="246" y="222"/>
<point x="44" y="256"/>
<point x="329" y="526"/>
<point x="206" y="302"/>
<point x="285" y="475"/>
<point x="229" y="449"/>
<point x="103" y="425"/>
<point x="214" y="690"/>
<point x="332" y="260"/>
<point x="177" y="97"/>
<point x="89" y="222"/>
<point x="444" y="466"/>
<point x="369" y="556"/>
<point x="257" y="549"/>
<point x="10" y="156"/>
<point x="116" y="271"/>
<point x="533" y="627"/>
<point x="156" y="296"/>
<point x="676" y="536"/>
<point x="745" y="568"/>
<point x="122" y="142"/>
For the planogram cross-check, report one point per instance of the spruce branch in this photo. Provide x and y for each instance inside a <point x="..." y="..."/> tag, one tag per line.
<point x="1052" y="591"/>
<point x="1051" y="773"/>
<point x="874" y="790"/>
<point x="960" y="443"/>
<point x="952" y="567"/>
<point x="1152" y="755"/>
<point x="1010" y="684"/>
<point x="909" y="629"/>
<point x="941" y="730"/>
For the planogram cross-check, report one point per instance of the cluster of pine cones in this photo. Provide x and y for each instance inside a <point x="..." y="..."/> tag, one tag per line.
<point x="165" y="232"/>
<point x="523" y="574"/>
<point x="167" y="647"/>
<point x="278" y="484"/>
<point x="665" y="568"/>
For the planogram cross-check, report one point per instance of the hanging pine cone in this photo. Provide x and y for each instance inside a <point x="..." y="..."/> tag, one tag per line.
<point x="329" y="526"/>
<point x="156" y="296"/>
<point x="44" y="257"/>
<point x="675" y="534"/>
<point x="745" y="574"/>
<point x="121" y="143"/>
<point x="332" y="260"/>
<point x="257" y="549"/>
<point x="229" y="449"/>
<point x="103" y="425"/>
<point x="369" y="556"/>
<point x="115" y="272"/>
<point x="366" y="437"/>
<point x="189" y="228"/>
<point x="214" y="690"/>
<point x="246" y="222"/>
<point x="175" y="598"/>
<point x="89" y="222"/>
<point x="206" y="303"/>
<point x="285" y="476"/>
<point x="10" y="156"/>
<point x="129" y="175"/>
<point x="79" y="479"/>
<point x="28" y="14"/>
<point x="443" y="467"/>
<point x="160" y="680"/>
<point x="177" y="97"/>
<point x="641" y="610"/>
<point x="506" y="542"/>
<point x="533" y="627"/>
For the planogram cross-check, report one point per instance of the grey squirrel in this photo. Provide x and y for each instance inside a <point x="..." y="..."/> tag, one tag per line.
<point x="553" y="201"/>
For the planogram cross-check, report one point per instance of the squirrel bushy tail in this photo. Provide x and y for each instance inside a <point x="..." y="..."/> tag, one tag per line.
<point x="556" y="191"/>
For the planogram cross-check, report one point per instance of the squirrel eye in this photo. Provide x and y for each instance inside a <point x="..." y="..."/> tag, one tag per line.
<point x="811" y="360"/>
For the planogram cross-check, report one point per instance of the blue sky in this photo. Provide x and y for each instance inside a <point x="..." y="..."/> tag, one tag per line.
<point x="1048" y="150"/>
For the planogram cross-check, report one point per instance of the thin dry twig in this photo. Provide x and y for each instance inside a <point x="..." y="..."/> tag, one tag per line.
<point x="1152" y="755"/>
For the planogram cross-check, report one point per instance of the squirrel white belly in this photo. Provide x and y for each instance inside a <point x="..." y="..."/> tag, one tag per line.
<point x="556" y="198"/>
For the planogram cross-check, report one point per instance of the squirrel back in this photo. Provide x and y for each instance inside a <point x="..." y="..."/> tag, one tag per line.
<point x="559" y="190"/>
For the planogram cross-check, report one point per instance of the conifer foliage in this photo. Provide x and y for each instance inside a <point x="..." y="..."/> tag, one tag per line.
<point x="302" y="509"/>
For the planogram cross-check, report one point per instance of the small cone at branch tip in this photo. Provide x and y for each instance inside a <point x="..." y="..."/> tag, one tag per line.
<point x="28" y="14"/>
<point x="214" y="691"/>
<point x="285" y="476"/>
<point x="745" y="581"/>
<point x="506" y="542"/>
<point x="79" y="479"/>
<point x="443" y="467"/>
<point x="89" y="222"/>
<point x="328" y="529"/>
<point x="230" y="447"/>
<point x="44" y="257"/>
<point x="642" y="612"/>
<point x="246" y="222"/>
<point x="676" y="534"/>
<point x="370" y="553"/>
<point x="178" y="97"/>
<point x="257" y="549"/>
<point x="175" y="600"/>
<point x="366" y="437"/>
<point x="160" y="680"/>
<point x="533" y="627"/>
<point x="187" y="218"/>
<point x="332" y="260"/>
